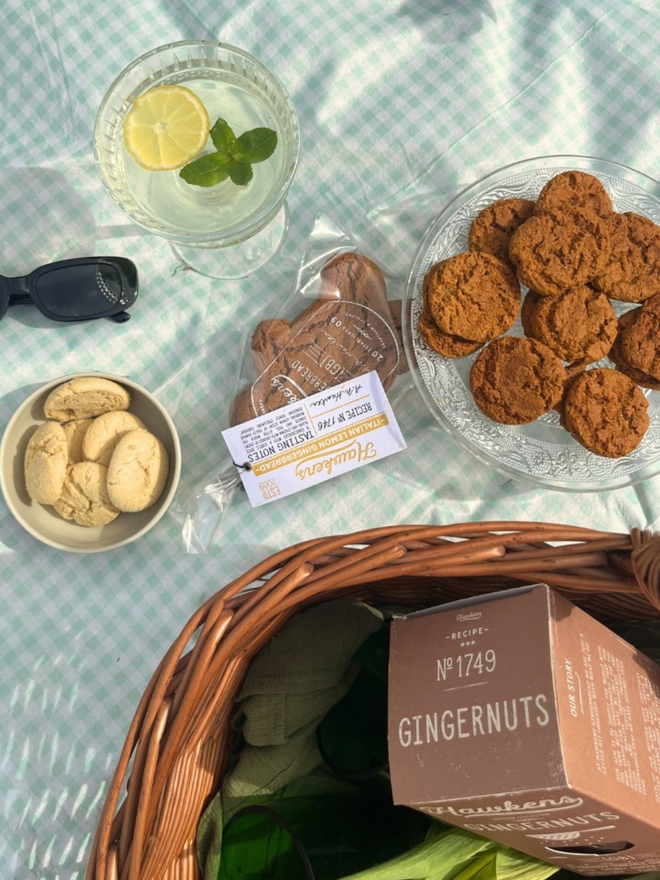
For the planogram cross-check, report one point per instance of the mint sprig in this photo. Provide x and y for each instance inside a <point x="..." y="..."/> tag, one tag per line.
<point x="233" y="157"/>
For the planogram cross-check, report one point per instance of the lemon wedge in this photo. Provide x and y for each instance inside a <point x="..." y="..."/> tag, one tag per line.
<point x="166" y="128"/>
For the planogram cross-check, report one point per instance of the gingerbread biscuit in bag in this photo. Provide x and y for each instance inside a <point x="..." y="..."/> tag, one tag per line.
<point x="345" y="332"/>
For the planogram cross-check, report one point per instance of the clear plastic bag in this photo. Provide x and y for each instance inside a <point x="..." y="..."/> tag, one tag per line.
<point x="337" y="325"/>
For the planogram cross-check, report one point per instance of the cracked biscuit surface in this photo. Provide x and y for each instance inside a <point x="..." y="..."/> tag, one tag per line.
<point x="527" y="312"/>
<point x="45" y="463"/>
<point x="491" y="230"/>
<point x="632" y="272"/>
<point x="473" y="296"/>
<point x="640" y="341"/>
<point x="443" y="343"/>
<point x="574" y="189"/>
<point x="84" y="497"/>
<point x="558" y="250"/>
<point x="606" y="412"/>
<point x="516" y="379"/>
<point x="105" y="432"/>
<point x="578" y="325"/>
<point x="137" y="471"/>
<point x="75" y="431"/>
<point x="618" y="359"/>
<point x="85" y="397"/>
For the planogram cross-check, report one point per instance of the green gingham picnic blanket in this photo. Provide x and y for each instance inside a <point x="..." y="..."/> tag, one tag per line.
<point x="402" y="104"/>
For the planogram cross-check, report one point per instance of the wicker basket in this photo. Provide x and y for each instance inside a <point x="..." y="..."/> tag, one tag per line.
<point x="177" y="745"/>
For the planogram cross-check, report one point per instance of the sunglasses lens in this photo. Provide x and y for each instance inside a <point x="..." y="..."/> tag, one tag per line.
<point x="81" y="291"/>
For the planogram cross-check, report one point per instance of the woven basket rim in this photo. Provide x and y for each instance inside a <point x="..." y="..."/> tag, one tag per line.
<point x="174" y="754"/>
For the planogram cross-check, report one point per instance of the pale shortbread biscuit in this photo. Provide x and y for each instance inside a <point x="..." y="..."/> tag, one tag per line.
<point x="105" y="432"/>
<point x="137" y="471"/>
<point x="45" y="463"/>
<point x="75" y="431"/>
<point x="85" y="397"/>
<point x="84" y="497"/>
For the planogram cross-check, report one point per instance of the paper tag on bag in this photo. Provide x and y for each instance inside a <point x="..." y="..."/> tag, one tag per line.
<point x="311" y="440"/>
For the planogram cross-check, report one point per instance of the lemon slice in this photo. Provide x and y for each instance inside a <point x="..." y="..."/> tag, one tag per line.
<point x="166" y="128"/>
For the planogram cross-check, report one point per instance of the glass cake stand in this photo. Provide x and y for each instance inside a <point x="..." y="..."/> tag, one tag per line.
<point x="541" y="453"/>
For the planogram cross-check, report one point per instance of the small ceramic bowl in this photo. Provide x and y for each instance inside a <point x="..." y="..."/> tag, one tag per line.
<point x="43" y="521"/>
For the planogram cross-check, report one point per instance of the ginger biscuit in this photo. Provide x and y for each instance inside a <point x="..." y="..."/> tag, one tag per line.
<point x="606" y="412"/>
<point x="491" y="229"/>
<point x="354" y="277"/>
<point x="574" y="189"/>
<point x="632" y="273"/>
<point x="640" y="341"/>
<point x="345" y="332"/>
<point x="652" y="304"/>
<point x="527" y="311"/>
<point x="557" y="250"/>
<point x="270" y="336"/>
<point x="242" y="408"/>
<point x="85" y="397"/>
<point x="572" y="371"/>
<point x="45" y="463"/>
<point x="619" y="361"/>
<point x="443" y="343"/>
<point x="515" y="380"/>
<point x="579" y="325"/>
<point x="84" y="497"/>
<point x="473" y="296"/>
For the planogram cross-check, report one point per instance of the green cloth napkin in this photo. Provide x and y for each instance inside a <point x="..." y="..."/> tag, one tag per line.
<point x="262" y="770"/>
<point x="290" y="686"/>
<point x="312" y="651"/>
<point x="270" y="719"/>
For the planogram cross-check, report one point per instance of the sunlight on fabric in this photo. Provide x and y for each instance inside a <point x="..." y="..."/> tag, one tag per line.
<point x="97" y="797"/>
<point x="346" y="90"/>
<point x="79" y="799"/>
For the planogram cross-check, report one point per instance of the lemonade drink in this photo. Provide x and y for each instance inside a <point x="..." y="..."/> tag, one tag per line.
<point x="166" y="197"/>
<point x="233" y="86"/>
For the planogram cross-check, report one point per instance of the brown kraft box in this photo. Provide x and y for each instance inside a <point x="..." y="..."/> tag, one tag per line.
<point x="521" y="718"/>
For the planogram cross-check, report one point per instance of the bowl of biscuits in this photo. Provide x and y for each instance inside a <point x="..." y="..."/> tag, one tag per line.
<point x="89" y="462"/>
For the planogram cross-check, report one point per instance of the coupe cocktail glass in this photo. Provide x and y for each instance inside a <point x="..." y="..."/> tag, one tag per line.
<point x="225" y="231"/>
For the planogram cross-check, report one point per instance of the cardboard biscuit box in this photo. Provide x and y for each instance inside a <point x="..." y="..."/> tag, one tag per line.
<point x="521" y="718"/>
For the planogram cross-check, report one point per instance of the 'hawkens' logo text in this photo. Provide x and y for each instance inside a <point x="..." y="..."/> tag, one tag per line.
<point x="546" y="805"/>
<point x="326" y="462"/>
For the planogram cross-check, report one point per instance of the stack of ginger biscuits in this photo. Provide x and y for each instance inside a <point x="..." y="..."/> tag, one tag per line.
<point x="575" y="255"/>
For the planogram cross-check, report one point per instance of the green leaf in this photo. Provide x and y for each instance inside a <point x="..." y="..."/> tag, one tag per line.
<point x="257" y="145"/>
<point x="224" y="139"/>
<point x="233" y="157"/>
<point x="440" y="857"/>
<point x="480" y="868"/>
<point x="509" y="864"/>
<point x="240" y="172"/>
<point x="207" y="170"/>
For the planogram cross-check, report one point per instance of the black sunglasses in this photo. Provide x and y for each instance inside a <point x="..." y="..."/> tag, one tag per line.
<point x="76" y="290"/>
